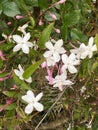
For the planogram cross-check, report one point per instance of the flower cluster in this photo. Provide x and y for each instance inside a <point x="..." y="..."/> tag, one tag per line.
<point x="58" y="60"/>
<point x="24" y="44"/>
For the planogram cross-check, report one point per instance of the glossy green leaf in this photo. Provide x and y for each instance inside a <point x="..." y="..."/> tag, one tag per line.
<point x="30" y="70"/>
<point x="45" y="36"/>
<point x="72" y="18"/>
<point x="10" y="9"/>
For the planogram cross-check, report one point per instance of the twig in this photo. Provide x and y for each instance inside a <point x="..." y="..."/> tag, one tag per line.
<point x="61" y="94"/>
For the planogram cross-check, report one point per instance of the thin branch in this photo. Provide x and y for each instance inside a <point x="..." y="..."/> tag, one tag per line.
<point x="61" y="94"/>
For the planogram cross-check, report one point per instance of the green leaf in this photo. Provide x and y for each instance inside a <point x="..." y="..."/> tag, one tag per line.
<point x="0" y="8"/>
<point x="43" y="4"/>
<point x="10" y="93"/>
<point x="20" y="83"/>
<point x="72" y="18"/>
<point x="10" y="9"/>
<point x="30" y="70"/>
<point x="2" y="75"/>
<point x="45" y="36"/>
<point x="64" y="31"/>
<point x="96" y="40"/>
<point x="76" y="34"/>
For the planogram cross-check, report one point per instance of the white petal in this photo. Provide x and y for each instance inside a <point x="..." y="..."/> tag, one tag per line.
<point x="84" y="55"/>
<point x="68" y="82"/>
<point x="94" y="48"/>
<point x="49" y="45"/>
<point x="90" y="55"/>
<point x="61" y="50"/>
<point x="25" y="48"/>
<point x="72" y="69"/>
<point x="17" y="38"/>
<point x="30" y="94"/>
<point x="64" y="58"/>
<point x="47" y="54"/>
<point x="38" y="97"/>
<point x="56" y="57"/>
<point x="26" y="37"/>
<point x="83" y="46"/>
<point x="38" y="106"/>
<point x="72" y="56"/>
<point x="17" y="72"/>
<point x="29" y="80"/>
<point x="21" y="69"/>
<point x="59" y="43"/>
<point x="29" y="44"/>
<point x="29" y="108"/>
<point x="91" y="40"/>
<point x="29" y="97"/>
<point x="17" y="47"/>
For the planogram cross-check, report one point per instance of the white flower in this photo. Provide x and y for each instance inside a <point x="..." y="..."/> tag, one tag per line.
<point x="69" y="63"/>
<point x="83" y="89"/>
<point x="83" y="51"/>
<point x="20" y="72"/>
<point x="22" y="43"/>
<point x="55" y="50"/>
<point x="23" y="28"/>
<point x="32" y="102"/>
<point x="60" y="81"/>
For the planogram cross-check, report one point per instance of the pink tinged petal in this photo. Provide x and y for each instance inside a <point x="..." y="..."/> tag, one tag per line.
<point x="72" y="69"/>
<point x="38" y="106"/>
<point x="38" y="97"/>
<point x="29" y="44"/>
<point x="91" y="40"/>
<point x="29" y="80"/>
<point x="26" y="37"/>
<point x="43" y="65"/>
<point x="49" y="45"/>
<point x="47" y="54"/>
<point x="17" y="47"/>
<point x="25" y="49"/>
<point x="17" y="38"/>
<point x="29" y="108"/>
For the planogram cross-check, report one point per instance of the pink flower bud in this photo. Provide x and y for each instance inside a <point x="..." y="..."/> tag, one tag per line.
<point x="53" y="16"/>
<point x="19" y="17"/>
<point x="61" y="1"/>
<point x="9" y="23"/>
<point x="1" y="55"/>
<point x="43" y="65"/>
<point x="40" y="22"/>
<point x="57" y="30"/>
